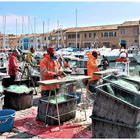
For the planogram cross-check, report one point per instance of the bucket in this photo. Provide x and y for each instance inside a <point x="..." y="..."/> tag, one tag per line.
<point x="6" y="120"/>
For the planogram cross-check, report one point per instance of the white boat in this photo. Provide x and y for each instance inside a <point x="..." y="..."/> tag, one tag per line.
<point x="133" y="53"/>
<point x="112" y="55"/>
<point x="137" y="57"/>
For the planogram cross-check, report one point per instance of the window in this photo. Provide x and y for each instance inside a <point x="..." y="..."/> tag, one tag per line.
<point x="105" y="34"/>
<point x="136" y="41"/>
<point x="122" y="31"/>
<point x="102" y="34"/>
<point x="78" y="35"/>
<point x="110" y="33"/>
<point x="49" y="38"/>
<point x="114" y="33"/>
<point x="94" y="34"/>
<point x="89" y="35"/>
<point x="85" y="35"/>
<point x="45" y="38"/>
<point x="135" y="30"/>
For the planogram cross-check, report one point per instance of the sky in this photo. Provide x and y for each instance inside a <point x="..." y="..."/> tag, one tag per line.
<point x="63" y="14"/>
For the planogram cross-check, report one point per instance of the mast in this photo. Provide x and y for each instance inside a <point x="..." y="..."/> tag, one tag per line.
<point x="48" y="33"/>
<point x="43" y="35"/>
<point x="76" y="28"/>
<point x="34" y="33"/>
<point x="28" y="24"/>
<point x="58" y="33"/>
<point x="16" y="32"/>
<point x="22" y="44"/>
<point x="4" y="27"/>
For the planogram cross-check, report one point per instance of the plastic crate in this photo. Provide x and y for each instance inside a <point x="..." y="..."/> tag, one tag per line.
<point x="102" y="128"/>
<point x="1" y="101"/>
<point x="111" y="78"/>
<point x="18" y="101"/>
<point x="67" y="109"/>
<point x="122" y="106"/>
<point x="6" y="120"/>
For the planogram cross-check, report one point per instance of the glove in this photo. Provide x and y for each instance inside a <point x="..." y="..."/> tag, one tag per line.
<point x="99" y="66"/>
<point x="56" y="75"/>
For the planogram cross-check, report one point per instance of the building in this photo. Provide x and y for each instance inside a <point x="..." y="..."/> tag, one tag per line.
<point x="113" y="36"/>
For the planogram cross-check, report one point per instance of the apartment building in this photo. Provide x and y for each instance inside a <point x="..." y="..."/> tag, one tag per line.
<point x="97" y="36"/>
<point x="113" y="36"/>
<point x="129" y="33"/>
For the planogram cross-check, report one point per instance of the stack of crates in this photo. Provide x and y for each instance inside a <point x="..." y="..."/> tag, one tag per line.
<point x="116" y="113"/>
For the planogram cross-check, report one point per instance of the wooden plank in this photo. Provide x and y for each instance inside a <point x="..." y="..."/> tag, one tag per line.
<point x="63" y="80"/>
<point x="106" y="71"/>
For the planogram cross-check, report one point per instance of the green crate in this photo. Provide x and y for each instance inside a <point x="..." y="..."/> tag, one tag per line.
<point x="102" y="128"/>
<point x="120" y="106"/>
<point x="67" y="109"/>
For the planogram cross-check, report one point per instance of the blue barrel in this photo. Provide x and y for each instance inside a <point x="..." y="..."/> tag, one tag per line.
<point x="7" y="120"/>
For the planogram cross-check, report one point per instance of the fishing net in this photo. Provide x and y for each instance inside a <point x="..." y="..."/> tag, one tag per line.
<point x="126" y="85"/>
<point x="20" y="89"/>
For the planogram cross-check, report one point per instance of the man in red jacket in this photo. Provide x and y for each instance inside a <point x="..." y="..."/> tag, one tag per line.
<point x="13" y="67"/>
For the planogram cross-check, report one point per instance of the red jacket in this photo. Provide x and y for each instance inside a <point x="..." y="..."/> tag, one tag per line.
<point x="48" y="68"/>
<point x="13" y="67"/>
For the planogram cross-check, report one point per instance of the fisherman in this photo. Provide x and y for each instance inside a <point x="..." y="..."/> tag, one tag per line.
<point x="50" y="69"/>
<point x="123" y="56"/>
<point x="13" y="67"/>
<point x="1" y="62"/>
<point x="30" y="57"/>
<point x="104" y="63"/>
<point x="66" y="64"/>
<point x="92" y="66"/>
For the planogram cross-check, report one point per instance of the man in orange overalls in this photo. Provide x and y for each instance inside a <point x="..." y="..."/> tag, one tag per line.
<point x="49" y="69"/>
<point x="92" y="66"/>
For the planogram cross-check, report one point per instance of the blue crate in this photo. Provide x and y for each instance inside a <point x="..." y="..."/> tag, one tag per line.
<point x="7" y="120"/>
